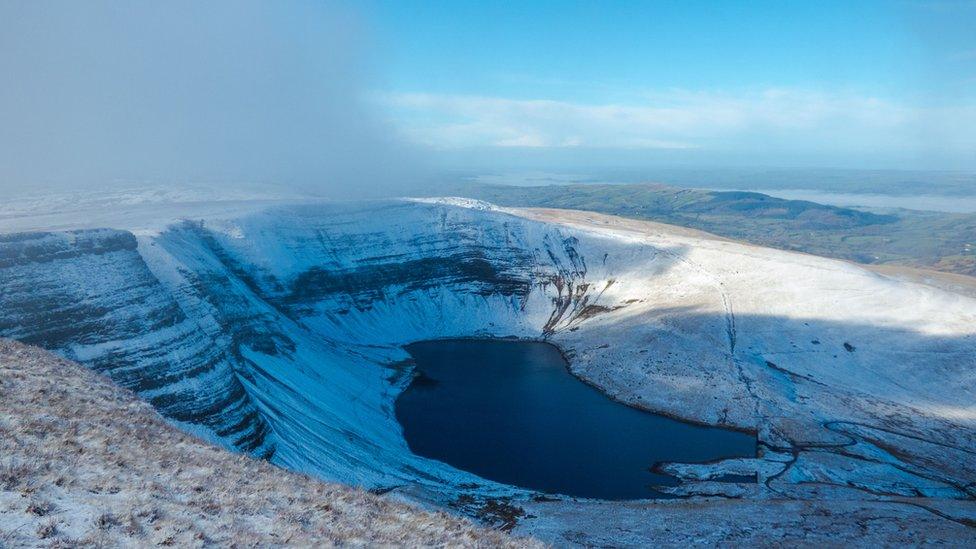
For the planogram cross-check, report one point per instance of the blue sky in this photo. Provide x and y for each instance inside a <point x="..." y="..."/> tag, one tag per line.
<point x="313" y="91"/>
<point x="845" y="84"/>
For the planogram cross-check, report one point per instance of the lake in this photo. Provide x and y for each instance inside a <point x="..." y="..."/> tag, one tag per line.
<point x="511" y="412"/>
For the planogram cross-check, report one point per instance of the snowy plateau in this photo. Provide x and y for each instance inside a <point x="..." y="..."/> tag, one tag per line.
<point x="277" y="329"/>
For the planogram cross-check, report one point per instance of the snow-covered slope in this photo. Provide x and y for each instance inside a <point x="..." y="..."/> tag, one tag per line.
<point x="89" y="295"/>
<point x="84" y="463"/>
<point x="279" y="332"/>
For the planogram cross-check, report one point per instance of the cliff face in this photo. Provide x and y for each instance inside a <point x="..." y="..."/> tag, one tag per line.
<point x="90" y="296"/>
<point x="315" y="302"/>
<point x="275" y="333"/>
<point x="279" y="332"/>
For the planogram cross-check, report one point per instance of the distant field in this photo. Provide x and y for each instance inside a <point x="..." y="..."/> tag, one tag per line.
<point x="939" y="241"/>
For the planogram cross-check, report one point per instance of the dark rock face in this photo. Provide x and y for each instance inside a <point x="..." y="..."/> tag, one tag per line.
<point x="90" y="296"/>
<point x="368" y="281"/>
<point x="26" y="248"/>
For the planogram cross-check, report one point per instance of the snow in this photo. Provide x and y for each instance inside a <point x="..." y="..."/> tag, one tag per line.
<point x="860" y="387"/>
<point x="84" y="463"/>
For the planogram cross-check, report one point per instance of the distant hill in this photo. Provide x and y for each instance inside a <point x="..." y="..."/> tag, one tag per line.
<point x="940" y="241"/>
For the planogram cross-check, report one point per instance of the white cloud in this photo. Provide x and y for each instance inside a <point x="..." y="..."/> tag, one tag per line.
<point x="770" y="119"/>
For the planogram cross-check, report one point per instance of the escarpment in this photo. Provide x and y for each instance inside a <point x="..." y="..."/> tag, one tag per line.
<point x="259" y="338"/>
<point x="90" y="296"/>
<point x="280" y="333"/>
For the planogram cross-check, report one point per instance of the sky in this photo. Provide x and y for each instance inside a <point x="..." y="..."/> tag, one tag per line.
<point x="862" y="84"/>
<point x="367" y="97"/>
<point x="126" y="93"/>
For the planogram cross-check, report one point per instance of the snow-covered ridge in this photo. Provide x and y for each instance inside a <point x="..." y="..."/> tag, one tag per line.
<point x="279" y="332"/>
<point x="459" y="201"/>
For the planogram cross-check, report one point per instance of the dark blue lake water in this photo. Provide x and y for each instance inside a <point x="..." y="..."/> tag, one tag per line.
<point x="511" y="412"/>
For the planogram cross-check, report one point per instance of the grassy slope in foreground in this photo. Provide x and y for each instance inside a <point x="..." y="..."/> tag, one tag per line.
<point x="84" y="462"/>
<point x="933" y="240"/>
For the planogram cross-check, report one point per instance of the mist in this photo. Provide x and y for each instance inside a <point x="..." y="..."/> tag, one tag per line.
<point x="104" y="93"/>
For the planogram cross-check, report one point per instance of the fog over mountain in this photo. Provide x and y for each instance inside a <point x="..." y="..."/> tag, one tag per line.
<point x="104" y="93"/>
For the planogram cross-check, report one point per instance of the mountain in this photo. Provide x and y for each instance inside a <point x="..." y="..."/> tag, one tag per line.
<point x="279" y="332"/>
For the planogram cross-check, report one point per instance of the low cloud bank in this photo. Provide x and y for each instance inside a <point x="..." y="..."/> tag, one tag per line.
<point x="764" y="127"/>
<point x="220" y="93"/>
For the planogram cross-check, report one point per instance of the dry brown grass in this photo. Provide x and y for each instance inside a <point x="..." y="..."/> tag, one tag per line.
<point x="83" y="462"/>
